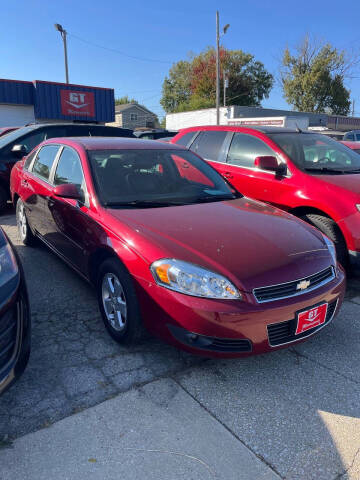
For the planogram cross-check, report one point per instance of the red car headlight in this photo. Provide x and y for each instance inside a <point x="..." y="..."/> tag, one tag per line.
<point x="193" y="280"/>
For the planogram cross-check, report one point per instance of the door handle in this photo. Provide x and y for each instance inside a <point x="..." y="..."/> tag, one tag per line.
<point x="227" y="175"/>
<point x="24" y="183"/>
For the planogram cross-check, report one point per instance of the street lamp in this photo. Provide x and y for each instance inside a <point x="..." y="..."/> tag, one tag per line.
<point x="218" y="35"/>
<point x="63" y="34"/>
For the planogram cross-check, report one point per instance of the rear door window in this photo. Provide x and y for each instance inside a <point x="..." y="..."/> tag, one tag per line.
<point x="186" y="139"/>
<point x="102" y="131"/>
<point x="350" y="136"/>
<point x="44" y="161"/>
<point x="77" y="131"/>
<point x="54" y="132"/>
<point x="245" y="148"/>
<point x="209" y="143"/>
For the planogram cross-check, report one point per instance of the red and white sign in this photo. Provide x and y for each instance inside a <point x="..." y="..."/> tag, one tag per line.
<point x="311" y="318"/>
<point x="77" y="103"/>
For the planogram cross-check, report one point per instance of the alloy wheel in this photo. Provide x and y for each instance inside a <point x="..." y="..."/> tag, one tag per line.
<point x="21" y="221"/>
<point x="114" y="301"/>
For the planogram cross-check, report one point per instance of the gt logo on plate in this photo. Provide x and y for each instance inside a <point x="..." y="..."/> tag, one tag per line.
<point x="311" y="318"/>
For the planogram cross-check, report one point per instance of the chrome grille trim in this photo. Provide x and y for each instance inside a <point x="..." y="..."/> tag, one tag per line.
<point x="329" y="278"/>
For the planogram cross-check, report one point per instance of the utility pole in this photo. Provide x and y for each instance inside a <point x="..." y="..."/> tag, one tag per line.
<point x="218" y="66"/>
<point x="353" y="107"/>
<point x="217" y="70"/>
<point x="226" y="84"/>
<point x="63" y="34"/>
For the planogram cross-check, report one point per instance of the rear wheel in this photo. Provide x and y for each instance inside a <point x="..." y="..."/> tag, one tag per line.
<point x="118" y="303"/>
<point x="25" y="233"/>
<point x="329" y="227"/>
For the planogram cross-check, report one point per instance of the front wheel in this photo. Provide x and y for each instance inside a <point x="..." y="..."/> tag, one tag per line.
<point x="25" y="233"/>
<point x="329" y="227"/>
<point x="118" y="303"/>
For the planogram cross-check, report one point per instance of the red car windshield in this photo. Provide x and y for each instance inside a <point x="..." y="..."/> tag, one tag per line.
<point x="317" y="153"/>
<point x="155" y="178"/>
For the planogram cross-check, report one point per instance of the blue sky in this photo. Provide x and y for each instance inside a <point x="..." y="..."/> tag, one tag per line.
<point x="164" y="32"/>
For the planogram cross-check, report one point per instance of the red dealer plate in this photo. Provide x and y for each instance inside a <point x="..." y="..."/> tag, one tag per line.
<point x="311" y="318"/>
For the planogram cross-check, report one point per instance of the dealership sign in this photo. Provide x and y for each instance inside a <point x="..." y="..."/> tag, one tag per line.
<point x="77" y="103"/>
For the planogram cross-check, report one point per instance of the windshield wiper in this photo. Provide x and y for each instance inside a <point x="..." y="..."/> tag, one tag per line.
<point x="214" y="198"/>
<point x="324" y="169"/>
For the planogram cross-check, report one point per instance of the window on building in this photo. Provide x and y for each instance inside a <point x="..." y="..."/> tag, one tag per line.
<point x="133" y="117"/>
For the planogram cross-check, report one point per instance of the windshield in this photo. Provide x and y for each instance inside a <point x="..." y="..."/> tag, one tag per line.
<point x="318" y="153"/>
<point x="155" y="178"/>
<point x="14" y="135"/>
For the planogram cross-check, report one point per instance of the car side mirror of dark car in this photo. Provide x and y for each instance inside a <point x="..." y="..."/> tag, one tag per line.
<point x="68" y="190"/>
<point x="270" y="163"/>
<point x="19" y="150"/>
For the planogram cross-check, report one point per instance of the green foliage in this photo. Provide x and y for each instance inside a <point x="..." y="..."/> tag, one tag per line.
<point x="191" y="85"/>
<point x="313" y="78"/>
<point x="125" y="99"/>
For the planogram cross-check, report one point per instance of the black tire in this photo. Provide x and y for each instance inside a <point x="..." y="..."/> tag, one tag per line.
<point x="133" y="329"/>
<point x="3" y="198"/>
<point x="329" y="227"/>
<point x="25" y="233"/>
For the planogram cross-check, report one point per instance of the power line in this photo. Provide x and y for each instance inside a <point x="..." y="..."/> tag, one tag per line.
<point x="114" y="50"/>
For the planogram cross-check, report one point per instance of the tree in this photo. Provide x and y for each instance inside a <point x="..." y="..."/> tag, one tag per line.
<point x="176" y="87"/>
<point x="313" y="78"/>
<point x="125" y="99"/>
<point x="191" y="85"/>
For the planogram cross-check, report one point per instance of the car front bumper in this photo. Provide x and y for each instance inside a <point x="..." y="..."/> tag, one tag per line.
<point x="232" y="328"/>
<point x="15" y="332"/>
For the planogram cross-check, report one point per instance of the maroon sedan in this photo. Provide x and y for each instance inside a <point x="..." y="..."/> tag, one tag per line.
<point x="171" y="246"/>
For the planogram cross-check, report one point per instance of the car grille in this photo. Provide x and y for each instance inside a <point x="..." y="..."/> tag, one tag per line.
<point x="284" y="332"/>
<point x="291" y="289"/>
<point x="8" y="336"/>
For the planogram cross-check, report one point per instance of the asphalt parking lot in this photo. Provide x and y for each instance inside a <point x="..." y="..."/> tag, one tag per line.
<point x="297" y="410"/>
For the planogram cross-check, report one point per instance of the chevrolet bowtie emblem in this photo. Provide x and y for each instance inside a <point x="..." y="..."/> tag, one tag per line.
<point x="303" y="285"/>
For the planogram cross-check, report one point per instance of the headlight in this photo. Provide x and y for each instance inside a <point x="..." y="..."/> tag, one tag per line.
<point x="331" y="247"/>
<point x="190" y="279"/>
<point x="8" y="265"/>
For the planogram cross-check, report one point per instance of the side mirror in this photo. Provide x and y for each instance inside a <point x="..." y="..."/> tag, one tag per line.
<point x="68" y="190"/>
<point x="19" y="150"/>
<point x="270" y="163"/>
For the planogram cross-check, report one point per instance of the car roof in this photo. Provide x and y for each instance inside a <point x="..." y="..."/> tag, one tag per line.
<point x="235" y="128"/>
<point x="115" y="143"/>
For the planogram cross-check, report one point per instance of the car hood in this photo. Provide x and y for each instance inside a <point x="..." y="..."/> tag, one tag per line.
<point x="349" y="182"/>
<point x="251" y="243"/>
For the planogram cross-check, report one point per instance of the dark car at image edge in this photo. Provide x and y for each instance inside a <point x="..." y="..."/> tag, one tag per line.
<point x="19" y="142"/>
<point x="15" y="323"/>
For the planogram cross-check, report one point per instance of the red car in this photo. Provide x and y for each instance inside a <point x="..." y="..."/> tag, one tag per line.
<point x="5" y="130"/>
<point x="353" y="145"/>
<point x="307" y="174"/>
<point x="169" y="244"/>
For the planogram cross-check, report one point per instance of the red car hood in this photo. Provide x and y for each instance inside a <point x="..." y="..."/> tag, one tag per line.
<point x="349" y="182"/>
<point x="251" y="243"/>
